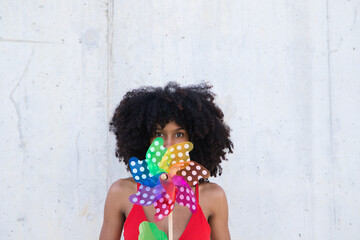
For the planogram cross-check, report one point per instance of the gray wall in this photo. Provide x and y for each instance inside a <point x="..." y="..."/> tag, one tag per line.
<point x="286" y="74"/>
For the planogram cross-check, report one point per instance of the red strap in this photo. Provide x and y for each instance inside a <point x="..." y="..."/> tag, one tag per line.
<point x="197" y="193"/>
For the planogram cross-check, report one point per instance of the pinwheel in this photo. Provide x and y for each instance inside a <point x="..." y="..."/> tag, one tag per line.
<point x="165" y="177"/>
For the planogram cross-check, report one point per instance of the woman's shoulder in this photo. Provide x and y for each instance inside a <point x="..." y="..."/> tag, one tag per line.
<point x="122" y="188"/>
<point x="123" y="184"/>
<point x="211" y="195"/>
<point x="209" y="189"/>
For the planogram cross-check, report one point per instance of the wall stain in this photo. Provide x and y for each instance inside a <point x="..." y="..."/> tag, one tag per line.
<point x="85" y="210"/>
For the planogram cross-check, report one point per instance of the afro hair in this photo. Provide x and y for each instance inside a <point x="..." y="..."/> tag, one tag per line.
<point x="192" y="107"/>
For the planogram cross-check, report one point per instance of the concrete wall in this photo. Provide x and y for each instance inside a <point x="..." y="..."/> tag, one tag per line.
<point x="286" y="74"/>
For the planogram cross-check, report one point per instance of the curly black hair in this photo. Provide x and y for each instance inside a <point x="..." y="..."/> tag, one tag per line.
<point x="192" y="107"/>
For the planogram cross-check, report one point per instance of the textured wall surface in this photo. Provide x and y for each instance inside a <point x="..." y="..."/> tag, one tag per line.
<point x="286" y="74"/>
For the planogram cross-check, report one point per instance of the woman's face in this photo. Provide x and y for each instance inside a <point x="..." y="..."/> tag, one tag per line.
<point x="172" y="133"/>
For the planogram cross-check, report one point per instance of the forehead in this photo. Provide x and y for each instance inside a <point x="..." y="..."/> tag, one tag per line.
<point x="170" y="126"/>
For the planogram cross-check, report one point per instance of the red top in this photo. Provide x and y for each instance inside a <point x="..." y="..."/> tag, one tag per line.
<point x="197" y="228"/>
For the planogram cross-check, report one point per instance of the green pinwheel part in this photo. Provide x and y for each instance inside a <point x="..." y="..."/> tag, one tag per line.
<point x="149" y="231"/>
<point x="154" y="155"/>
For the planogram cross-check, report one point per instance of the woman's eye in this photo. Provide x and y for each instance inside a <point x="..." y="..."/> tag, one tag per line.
<point x="179" y="135"/>
<point x="158" y="134"/>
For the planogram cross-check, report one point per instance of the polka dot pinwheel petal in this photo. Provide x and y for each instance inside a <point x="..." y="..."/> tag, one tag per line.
<point x="168" y="185"/>
<point x="149" y="231"/>
<point x="140" y="172"/>
<point x="146" y="195"/>
<point x="193" y="172"/>
<point x="177" y="153"/>
<point x="186" y="197"/>
<point x="163" y="207"/>
<point x="179" y="181"/>
<point x="154" y="155"/>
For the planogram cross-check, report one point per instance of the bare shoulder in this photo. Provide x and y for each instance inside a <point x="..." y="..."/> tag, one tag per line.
<point x="211" y="197"/>
<point x="121" y="189"/>
<point x="122" y="185"/>
<point x="211" y="190"/>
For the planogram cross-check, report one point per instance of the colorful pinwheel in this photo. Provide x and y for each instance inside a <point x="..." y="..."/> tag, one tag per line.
<point x="165" y="177"/>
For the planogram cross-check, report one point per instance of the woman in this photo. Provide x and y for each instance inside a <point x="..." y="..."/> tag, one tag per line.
<point x="176" y="114"/>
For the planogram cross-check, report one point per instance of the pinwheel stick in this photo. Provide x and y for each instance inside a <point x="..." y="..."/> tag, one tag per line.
<point x="170" y="218"/>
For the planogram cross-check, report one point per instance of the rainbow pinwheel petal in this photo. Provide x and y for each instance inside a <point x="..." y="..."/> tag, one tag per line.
<point x="193" y="172"/>
<point x="163" y="207"/>
<point x="154" y="155"/>
<point x="168" y="186"/>
<point x="149" y="231"/>
<point x="185" y="195"/>
<point x="146" y="195"/>
<point x="177" y="153"/>
<point x="141" y="173"/>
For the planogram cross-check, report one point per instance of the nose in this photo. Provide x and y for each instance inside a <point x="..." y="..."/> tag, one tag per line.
<point x="169" y="141"/>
